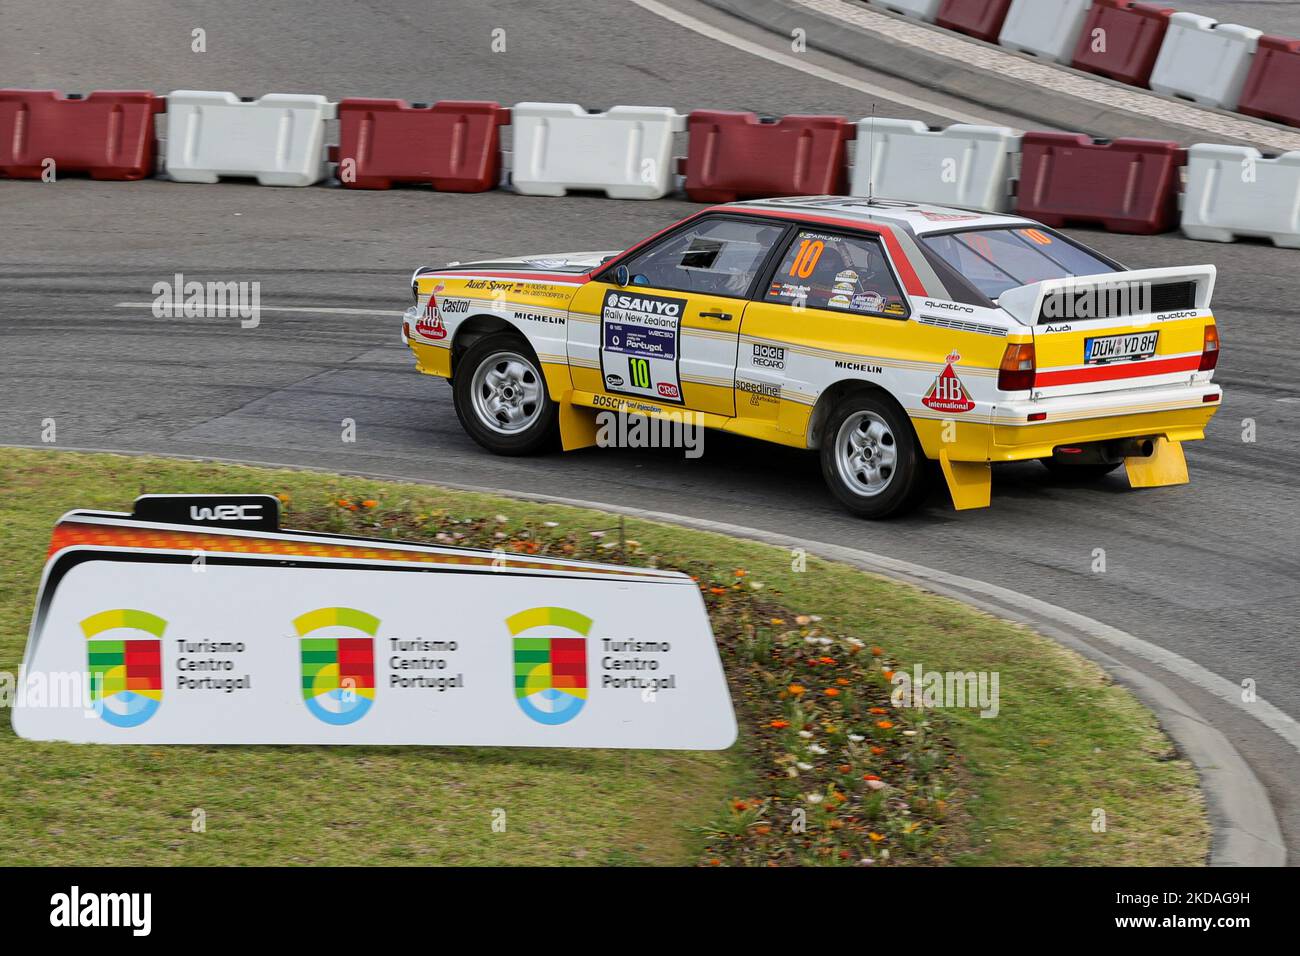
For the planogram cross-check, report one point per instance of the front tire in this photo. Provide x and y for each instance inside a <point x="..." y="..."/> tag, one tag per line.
<point x="500" y="396"/>
<point x="870" y="457"/>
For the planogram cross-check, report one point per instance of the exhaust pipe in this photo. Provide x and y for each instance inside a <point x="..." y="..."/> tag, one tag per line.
<point x="1135" y="447"/>
<point x="1105" y="453"/>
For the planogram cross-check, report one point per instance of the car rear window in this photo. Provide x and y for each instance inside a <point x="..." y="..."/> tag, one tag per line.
<point x="995" y="260"/>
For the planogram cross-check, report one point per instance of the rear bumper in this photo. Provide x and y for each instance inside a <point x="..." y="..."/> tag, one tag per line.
<point x="1178" y="413"/>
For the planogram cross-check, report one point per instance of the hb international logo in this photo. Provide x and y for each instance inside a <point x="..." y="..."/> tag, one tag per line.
<point x="338" y="672"/>
<point x="550" y="652"/>
<point x="125" y="673"/>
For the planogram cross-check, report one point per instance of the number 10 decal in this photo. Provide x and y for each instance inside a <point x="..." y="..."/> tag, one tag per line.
<point x="638" y="370"/>
<point x="810" y="253"/>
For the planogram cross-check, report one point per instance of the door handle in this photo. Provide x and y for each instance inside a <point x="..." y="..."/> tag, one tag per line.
<point x="724" y="316"/>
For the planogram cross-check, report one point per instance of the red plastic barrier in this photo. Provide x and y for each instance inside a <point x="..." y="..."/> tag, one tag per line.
<point x="454" y="145"/>
<point x="108" y="134"/>
<point x="1129" y="185"/>
<point x="734" y="156"/>
<point x="1129" y="43"/>
<point x="1272" y="89"/>
<point x="978" y="18"/>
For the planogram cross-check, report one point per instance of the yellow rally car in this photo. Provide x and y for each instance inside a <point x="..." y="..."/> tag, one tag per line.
<point x="886" y="334"/>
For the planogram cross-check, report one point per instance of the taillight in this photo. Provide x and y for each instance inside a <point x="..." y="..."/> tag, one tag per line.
<point x="1210" y="351"/>
<point x="1016" y="373"/>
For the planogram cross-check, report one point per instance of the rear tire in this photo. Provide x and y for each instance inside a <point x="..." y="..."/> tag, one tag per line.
<point x="1079" y="474"/>
<point x="871" y="459"/>
<point x="500" y="396"/>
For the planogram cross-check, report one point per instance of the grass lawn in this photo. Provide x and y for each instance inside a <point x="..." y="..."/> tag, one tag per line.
<point x="1021" y="788"/>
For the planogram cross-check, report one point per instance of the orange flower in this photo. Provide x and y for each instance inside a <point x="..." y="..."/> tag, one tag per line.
<point x="885" y="724"/>
<point x="876" y="651"/>
<point x="343" y="503"/>
<point x="842" y="681"/>
<point x="869" y="776"/>
<point x="877" y="710"/>
<point x="832" y="692"/>
<point x="369" y="503"/>
<point x="715" y="862"/>
<point x="795" y="689"/>
<point x="839" y="798"/>
<point x="827" y="660"/>
<point x="741" y="572"/>
<point x="876" y="837"/>
<point x="762" y="829"/>
<point x="740" y="806"/>
<point x="877" y="750"/>
<point x="716" y="590"/>
<point x="845" y="768"/>
<point x="889" y="675"/>
<point x="780" y="724"/>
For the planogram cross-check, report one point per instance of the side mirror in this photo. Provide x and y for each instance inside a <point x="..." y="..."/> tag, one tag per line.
<point x="622" y="276"/>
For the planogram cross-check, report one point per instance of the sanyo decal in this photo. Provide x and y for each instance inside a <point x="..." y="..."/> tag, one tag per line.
<point x="219" y="300"/>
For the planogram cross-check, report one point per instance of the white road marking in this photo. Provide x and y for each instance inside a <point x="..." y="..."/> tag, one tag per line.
<point x="812" y="69"/>
<point x="278" y="308"/>
<point x="1055" y="78"/>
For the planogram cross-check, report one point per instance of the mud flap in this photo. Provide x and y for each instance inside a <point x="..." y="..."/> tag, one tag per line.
<point x="1166" y="466"/>
<point x="577" y="426"/>
<point x="969" y="482"/>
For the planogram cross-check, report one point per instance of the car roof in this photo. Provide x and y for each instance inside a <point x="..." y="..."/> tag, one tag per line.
<point x="918" y="218"/>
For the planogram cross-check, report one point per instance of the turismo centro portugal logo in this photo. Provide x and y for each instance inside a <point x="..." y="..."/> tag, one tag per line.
<point x="126" y="672"/>
<point x="550" y="648"/>
<point x="338" y="668"/>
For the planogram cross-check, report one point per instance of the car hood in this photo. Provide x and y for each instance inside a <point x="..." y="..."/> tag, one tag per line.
<point x="575" y="262"/>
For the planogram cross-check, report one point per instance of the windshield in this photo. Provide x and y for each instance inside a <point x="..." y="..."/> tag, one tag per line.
<point x="995" y="260"/>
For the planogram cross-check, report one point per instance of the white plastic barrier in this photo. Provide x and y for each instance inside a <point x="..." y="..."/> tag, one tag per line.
<point x="278" y="139"/>
<point x="923" y="9"/>
<point x="627" y="153"/>
<point x="1233" y="191"/>
<point x="970" y="166"/>
<point x="1046" y="28"/>
<point x="1205" y="60"/>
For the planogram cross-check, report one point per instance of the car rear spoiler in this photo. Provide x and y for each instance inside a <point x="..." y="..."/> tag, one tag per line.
<point x="1138" y="292"/>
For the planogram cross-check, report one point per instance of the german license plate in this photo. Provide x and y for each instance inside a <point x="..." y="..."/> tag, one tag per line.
<point x="1119" y="348"/>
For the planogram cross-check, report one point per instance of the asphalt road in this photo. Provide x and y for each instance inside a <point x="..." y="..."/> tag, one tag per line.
<point x="1209" y="570"/>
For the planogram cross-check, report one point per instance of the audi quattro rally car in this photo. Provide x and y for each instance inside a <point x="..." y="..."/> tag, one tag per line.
<point x="886" y="334"/>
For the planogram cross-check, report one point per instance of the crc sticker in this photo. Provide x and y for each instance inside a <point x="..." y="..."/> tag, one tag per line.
<point x="948" y="394"/>
<point x="639" y="344"/>
<point x="838" y="301"/>
<point x="847" y="276"/>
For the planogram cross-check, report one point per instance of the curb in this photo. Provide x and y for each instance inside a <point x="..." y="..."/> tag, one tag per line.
<point x="1245" y="830"/>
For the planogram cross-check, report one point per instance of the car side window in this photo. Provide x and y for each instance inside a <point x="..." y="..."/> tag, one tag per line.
<point x="844" y="273"/>
<point x="712" y="256"/>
